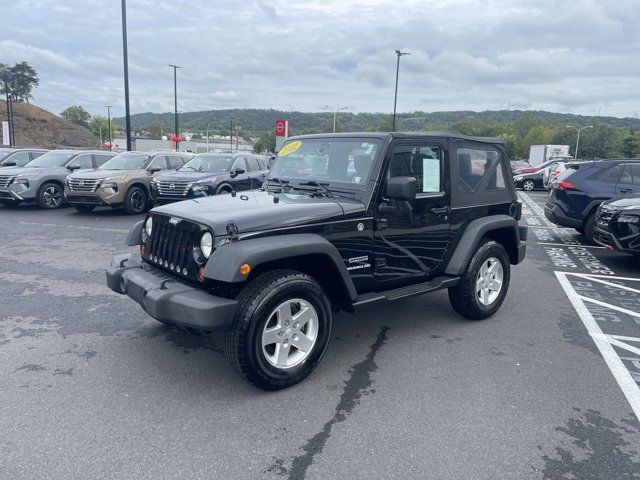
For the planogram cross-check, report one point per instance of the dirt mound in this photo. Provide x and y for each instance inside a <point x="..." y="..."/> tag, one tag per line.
<point x="35" y="127"/>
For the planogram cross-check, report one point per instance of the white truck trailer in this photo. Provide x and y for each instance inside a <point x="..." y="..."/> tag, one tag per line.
<point x="542" y="153"/>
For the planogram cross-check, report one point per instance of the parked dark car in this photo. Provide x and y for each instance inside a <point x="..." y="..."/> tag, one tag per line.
<point x="539" y="179"/>
<point x="517" y="164"/>
<point x="577" y="192"/>
<point x="210" y="174"/>
<point x="617" y="225"/>
<point x="19" y="157"/>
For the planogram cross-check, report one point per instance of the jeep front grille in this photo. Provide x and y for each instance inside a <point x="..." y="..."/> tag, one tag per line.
<point x="6" y="180"/>
<point x="171" y="246"/>
<point x="83" y="184"/>
<point x="173" y="189"/>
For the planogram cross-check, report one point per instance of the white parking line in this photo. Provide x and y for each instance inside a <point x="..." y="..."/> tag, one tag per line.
<point x="570" y="245"/>
<point x="604" y="342"/>
<point x="115" y="230"/>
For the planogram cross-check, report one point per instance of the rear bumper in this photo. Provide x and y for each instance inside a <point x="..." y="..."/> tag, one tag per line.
<point x="556" y="215"/>
<point x="523" y="233"/>
<point x="167" y="299"/>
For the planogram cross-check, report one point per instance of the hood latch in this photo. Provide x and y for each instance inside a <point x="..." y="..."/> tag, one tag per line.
<point x="232" y="231"/>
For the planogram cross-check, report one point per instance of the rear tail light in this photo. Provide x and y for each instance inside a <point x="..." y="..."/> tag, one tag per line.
<point x="564" y="185"/>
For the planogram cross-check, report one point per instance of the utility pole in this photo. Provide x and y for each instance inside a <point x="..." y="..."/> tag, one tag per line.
<point x="108" y="120"/>
<point x="231" y="137"/>
<point x="125" y="57"/>
<point x="395" y="98"/>
<point x="100" y="134"/>
<point x="335" y="113"/>
<point x="175" y="99"/>
<point x="207" y="138"/>
<point x="237" y="135"/>
<point x="578" y="139"/>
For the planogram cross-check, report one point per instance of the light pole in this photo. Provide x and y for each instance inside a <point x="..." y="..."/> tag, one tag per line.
<point x="578" y="139"/>
<point x="237" y="135"/>
<point x="109" y="120"/>
<point x="207" y="138"/>
<point x="335" y="113"/>
<point x="175" y="99"/>
<point x="395" y="98"/>
<point x="125" y="58"/>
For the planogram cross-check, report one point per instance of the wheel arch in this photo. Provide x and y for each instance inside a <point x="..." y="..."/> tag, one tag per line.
<point x="503" y="229"/>
<point x="308" y="253"/>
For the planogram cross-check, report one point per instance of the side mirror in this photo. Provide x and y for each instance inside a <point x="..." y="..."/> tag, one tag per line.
<point x="9" y="164"/>
<point x="154" y="169"/>
<point x="401" y="188"/>
<point x="237" y="171"/>
<point x="73" y="167"/>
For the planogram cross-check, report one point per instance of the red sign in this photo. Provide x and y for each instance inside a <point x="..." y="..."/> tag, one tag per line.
<point x="281" y="128"/>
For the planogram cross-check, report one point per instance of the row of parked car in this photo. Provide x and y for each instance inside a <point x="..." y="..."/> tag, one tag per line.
<point x="133" y="181"/>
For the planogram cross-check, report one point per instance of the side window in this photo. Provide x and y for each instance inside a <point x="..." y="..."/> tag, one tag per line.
<point x="36" y="154"/>
<point x="176" y="162"/>
<point x="240" y="163"/>
<point x="420" y="161"/>
<point x="626" y="176"/>
<point x="253" y="164"/>
<point x="84" y="161"/>
<point x="100" y="159"/>
<point x="20" y="158"/>
<point x="159" y="161"/>
<point x="635" y="172"/>
<point x="610" y="175"/>
<point x="473" y="167"/>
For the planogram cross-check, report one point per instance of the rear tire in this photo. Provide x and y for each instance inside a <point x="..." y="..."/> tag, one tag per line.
<point x="136" y="201"/>
<point x="477" y="296"/>
<point x="50" y="196"/>
<point x="589" y="225"/>
<point x="224" y="189"/>
<point x="278" y="312"/>
<point x="528" y="185"/>
<point x="84" y="208"/>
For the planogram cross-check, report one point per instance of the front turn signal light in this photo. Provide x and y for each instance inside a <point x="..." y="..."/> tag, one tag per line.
<point x="245" y="268"/>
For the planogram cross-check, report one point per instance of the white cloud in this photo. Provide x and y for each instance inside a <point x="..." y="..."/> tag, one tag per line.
<point x="562" y="55"/>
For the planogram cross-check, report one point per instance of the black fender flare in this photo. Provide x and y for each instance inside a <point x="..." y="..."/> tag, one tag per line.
<point x="224" y="263"/>
<point x="474" y="231"/>
<point x="134" y="237"/>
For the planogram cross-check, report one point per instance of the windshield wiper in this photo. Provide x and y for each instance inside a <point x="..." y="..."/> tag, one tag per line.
<point x="323" y="186"/>
<point x="283" y="184"/>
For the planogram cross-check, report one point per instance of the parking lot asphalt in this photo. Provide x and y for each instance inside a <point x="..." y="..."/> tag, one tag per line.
<point x="91" y="387"/>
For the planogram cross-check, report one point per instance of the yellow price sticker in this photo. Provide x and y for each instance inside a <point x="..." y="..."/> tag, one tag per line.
<point x="289" y="148"/>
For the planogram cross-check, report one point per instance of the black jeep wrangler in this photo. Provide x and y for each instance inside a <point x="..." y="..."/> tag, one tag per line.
<point x="342" y="220"/>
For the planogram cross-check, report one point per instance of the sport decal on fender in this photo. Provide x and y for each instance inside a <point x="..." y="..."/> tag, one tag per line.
<point x="290" y="148"/>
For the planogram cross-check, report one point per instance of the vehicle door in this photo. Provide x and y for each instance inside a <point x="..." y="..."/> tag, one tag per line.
<point x="256" y="172"/>
<point x="241" y="181"/>
<point x="629" y="181"/>
<point x="411" y="237"/>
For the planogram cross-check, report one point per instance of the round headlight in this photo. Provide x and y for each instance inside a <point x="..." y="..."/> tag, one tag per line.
<point x="148" y="226"/>
<point x="206" y="244"/>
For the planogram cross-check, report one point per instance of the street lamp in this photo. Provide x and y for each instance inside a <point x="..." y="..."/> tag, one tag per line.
<point x="335" y="113"/>
<point x="395" y="99"/>
<point x="125" y="59"/>
<point x="578" y="139"/>
<point x="175" y="99"/>
<point x="109" y="120"/>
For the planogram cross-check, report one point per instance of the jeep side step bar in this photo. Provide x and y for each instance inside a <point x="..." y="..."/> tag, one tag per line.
<point x="437" y="283"/>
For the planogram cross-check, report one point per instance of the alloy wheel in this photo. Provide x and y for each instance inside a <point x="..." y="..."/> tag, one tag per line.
<point x="489" y="281"/>
<point x="52" y="196"/>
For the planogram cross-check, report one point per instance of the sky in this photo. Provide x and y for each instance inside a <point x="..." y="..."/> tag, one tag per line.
<point x="578" y="56"/>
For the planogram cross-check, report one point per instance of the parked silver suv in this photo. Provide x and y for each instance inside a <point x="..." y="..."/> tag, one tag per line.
<point x="42" y="180"/>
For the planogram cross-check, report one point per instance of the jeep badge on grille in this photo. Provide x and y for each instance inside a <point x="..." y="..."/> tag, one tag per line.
<point x="174" y="221"/>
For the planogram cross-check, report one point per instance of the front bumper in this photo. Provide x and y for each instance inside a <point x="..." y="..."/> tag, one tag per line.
<point x="609" y="241"/>
<point x="19" y="192"/>
<point x="166" y="299"/>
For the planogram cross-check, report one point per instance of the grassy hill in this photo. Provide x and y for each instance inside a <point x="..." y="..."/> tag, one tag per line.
<point x="256" y="120"/>
<point x="36" y="127"/>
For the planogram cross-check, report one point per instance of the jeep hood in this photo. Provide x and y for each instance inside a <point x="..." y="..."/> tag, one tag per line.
<point x="256" y="210"/>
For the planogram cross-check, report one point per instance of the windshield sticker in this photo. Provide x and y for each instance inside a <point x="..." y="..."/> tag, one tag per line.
<point x="431" y="175"/>
<point x="290" y="148"/>
<point x="356" y="179"/>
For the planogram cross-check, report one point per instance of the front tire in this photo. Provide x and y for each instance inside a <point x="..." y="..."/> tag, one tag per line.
<point x="483" y="287"/>
<point x="589" y="226"/>
<point x="50" y="196"/>
<point x="528" y="185"/>
<point x="281" y="329"/>
<point x="224" y="189"/>
<point x="136" y="201"/>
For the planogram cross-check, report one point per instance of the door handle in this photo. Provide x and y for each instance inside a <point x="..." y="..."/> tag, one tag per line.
<point x="439" y="210"/>
<point x="626" y="190"/>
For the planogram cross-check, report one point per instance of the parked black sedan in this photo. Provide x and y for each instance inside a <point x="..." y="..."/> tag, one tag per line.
<point x="617" y="225"/>
<point x="210" y="174"/>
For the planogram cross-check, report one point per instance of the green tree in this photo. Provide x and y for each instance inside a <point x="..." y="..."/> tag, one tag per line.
<point x="99" y="126"/>
<point x="76" y="114"/>
<point x="386" y="124"/>
<point x="265" y="143"/>
<point x="630" y="146"/>
<point x="155" y="129"/>
<point x="18" y="81"/>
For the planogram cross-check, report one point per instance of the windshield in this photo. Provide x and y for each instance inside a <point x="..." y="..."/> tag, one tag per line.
<point x="208" y="163"/>
<point x="51" y="159"/>
<point x="343" y="162"/>
<point x="4" y="153"/>
<point x="125" y="161"/>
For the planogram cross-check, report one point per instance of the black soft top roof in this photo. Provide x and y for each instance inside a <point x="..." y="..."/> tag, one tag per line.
<point x="408" y="135"/>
